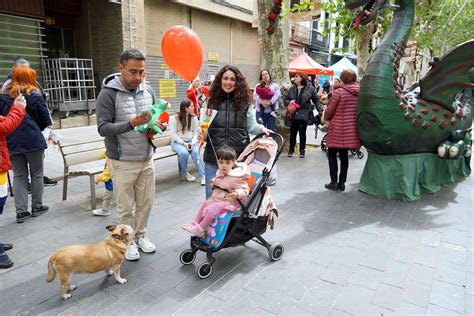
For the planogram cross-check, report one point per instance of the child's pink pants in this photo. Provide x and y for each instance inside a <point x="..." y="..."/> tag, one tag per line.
<point x="209" y="211"/>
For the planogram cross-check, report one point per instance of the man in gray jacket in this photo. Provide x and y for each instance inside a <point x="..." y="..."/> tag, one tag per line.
<point x="123" y="104"/>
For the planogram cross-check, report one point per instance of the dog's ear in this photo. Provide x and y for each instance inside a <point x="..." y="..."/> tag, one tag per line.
<point x="111" y="227"/>
<point x="125" y="234"/>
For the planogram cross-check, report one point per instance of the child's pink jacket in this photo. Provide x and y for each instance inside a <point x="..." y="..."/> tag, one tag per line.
<point x="234" y="181"/>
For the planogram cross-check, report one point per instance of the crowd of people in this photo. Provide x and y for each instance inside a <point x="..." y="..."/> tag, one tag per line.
<point x="123" y="104"/>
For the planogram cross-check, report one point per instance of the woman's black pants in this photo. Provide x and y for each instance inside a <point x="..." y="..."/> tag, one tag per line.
<point x="332" y="158"/>
<point x="298" y="127"/>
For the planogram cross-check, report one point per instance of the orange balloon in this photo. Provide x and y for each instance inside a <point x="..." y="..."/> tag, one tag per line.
<point x="182" y="51"/>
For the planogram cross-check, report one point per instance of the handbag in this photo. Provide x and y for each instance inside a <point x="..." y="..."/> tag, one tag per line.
<point x="311" y="118"/>
<point x="306" y="115"/>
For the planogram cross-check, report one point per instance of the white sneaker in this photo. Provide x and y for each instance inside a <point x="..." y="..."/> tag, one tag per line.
<point x="188" y="177"/>
<point x="132" y="253"/>
<point x="203" y="181"/>
<point x="101" y="212"/>
<point x="273" y="113"/>
<point x="146" y="245"/>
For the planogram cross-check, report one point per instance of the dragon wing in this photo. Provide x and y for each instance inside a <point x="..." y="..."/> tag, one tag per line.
<point x="455" y="71"/>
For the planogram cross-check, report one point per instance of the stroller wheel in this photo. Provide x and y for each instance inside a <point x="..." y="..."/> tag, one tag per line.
<point x="187" y="256"/>
<point x="353" y="151"/>
<point x="360" y="154"/>
<point x="204" y="270"/>
<point x="276" y="252"/>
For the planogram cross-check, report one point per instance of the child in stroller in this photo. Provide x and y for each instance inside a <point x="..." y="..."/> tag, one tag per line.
<point x="232" y="228"/>
<point x="229" y="186"/>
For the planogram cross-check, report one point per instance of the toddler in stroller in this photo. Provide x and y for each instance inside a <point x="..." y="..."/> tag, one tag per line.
<point x="233" y="224"/>
<point x="229" y="186"/>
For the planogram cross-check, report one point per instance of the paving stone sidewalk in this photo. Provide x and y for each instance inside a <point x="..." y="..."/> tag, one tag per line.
<point x="345" y="253"/>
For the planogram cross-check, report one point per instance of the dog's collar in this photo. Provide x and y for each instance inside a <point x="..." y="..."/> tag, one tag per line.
<point x="119" y="238"/>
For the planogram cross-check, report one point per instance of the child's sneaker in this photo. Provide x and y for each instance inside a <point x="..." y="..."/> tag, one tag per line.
<point x="193" y="229"/>
<point x="260" y="120"/>
<point x="101" y="212"/>
<point x="132" y="253"/>
<point x="146" y="245"/>
<point x="203" y="181"/>
<point x="273" y="113"/>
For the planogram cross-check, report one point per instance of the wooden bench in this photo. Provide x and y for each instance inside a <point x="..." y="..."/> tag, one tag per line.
<point x="87" y="158"/>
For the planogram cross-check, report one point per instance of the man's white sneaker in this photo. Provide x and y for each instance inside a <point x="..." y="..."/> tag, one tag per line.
<point x="146" y="245"/>
<point x="203" y="181"/>
<point x="188" y="177"/>
<point x="101" y="212"/>
<point x="132" y="253"/>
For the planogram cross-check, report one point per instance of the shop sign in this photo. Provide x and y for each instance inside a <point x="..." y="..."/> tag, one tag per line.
<point x="167" y="88"/>
<point x="213" y="56"/>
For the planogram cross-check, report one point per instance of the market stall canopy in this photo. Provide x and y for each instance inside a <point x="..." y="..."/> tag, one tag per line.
<point x="344" y="63"/>
<point x="304" y="63"/>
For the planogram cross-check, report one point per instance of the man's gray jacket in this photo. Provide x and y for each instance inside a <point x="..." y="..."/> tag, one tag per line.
<point x="115" y="106"/>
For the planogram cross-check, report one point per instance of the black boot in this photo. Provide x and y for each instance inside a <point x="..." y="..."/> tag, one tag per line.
<point x="37" y="211"/>
<point x="331" y="186"/>
<point x="5" y="261"/>
<point x="21" y="217"/>
<point x="341" y="186"/>
<point x="47" y="181"/>
<point x="6" y="246"/>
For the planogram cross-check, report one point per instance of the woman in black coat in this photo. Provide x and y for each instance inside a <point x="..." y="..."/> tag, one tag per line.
<point x="303" y="94"/>
<point x="27" y="143"/>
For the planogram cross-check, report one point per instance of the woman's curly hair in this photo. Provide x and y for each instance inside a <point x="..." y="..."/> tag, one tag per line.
<point x="241" y="93"/>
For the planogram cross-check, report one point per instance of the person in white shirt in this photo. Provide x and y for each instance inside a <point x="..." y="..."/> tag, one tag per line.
<point x="184" y="128"/>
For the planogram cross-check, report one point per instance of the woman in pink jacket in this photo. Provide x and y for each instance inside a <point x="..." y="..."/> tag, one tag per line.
<point x="342" y="133"/>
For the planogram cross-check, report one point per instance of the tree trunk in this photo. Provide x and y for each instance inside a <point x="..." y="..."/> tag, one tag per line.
<point x="362" y="46"/>
<point x="274" y="55"/>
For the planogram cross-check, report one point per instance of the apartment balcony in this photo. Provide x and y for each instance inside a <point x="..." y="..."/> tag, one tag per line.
<point x="318" y="42"/>
<point x="300" y="34"/>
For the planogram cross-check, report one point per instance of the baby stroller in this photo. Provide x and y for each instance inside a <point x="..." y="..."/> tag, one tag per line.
<point x="355" y="152"/>
<point x="234" y="229"/>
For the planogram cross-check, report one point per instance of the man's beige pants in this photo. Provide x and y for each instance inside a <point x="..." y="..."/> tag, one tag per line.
<point x="134" y="185"/>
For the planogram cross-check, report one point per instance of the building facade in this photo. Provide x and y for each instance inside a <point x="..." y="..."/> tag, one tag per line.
<point x="101" y="29"/>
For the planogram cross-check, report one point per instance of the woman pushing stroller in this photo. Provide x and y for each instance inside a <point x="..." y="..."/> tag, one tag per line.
<point x="230" y="185"/>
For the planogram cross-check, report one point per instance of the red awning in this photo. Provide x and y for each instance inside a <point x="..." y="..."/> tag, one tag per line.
<point x="304" y="63"/>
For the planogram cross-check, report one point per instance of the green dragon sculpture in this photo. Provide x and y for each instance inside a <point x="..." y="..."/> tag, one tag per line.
<point x="403" y="129"/>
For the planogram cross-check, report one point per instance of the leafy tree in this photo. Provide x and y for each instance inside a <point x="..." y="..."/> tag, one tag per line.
<point x="441" y="25"/>
<point x="340" y="23"/>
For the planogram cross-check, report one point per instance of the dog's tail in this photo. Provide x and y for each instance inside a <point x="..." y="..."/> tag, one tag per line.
<point x="51" y="270"/>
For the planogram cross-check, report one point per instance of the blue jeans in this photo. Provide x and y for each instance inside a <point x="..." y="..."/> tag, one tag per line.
<point x="269" y="121"/>
<point x="183" y="157"/>
<point x="211" y="170"/>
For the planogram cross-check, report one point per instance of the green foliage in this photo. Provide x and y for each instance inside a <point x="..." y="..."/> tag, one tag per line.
<point x="340" y="20"/>
<point x="304" y="5"/>
<point x="441" y="25"/>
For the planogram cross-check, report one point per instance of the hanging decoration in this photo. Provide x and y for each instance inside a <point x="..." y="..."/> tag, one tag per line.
<point x="273" y="16"/>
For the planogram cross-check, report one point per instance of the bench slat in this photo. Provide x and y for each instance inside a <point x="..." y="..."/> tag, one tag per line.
<point x="85" y="156"/>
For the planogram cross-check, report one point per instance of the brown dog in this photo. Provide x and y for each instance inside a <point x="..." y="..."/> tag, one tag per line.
<point x="106" y="255"/>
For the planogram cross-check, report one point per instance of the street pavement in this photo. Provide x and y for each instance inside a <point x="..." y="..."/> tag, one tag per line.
<point x="345" y="253"/>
